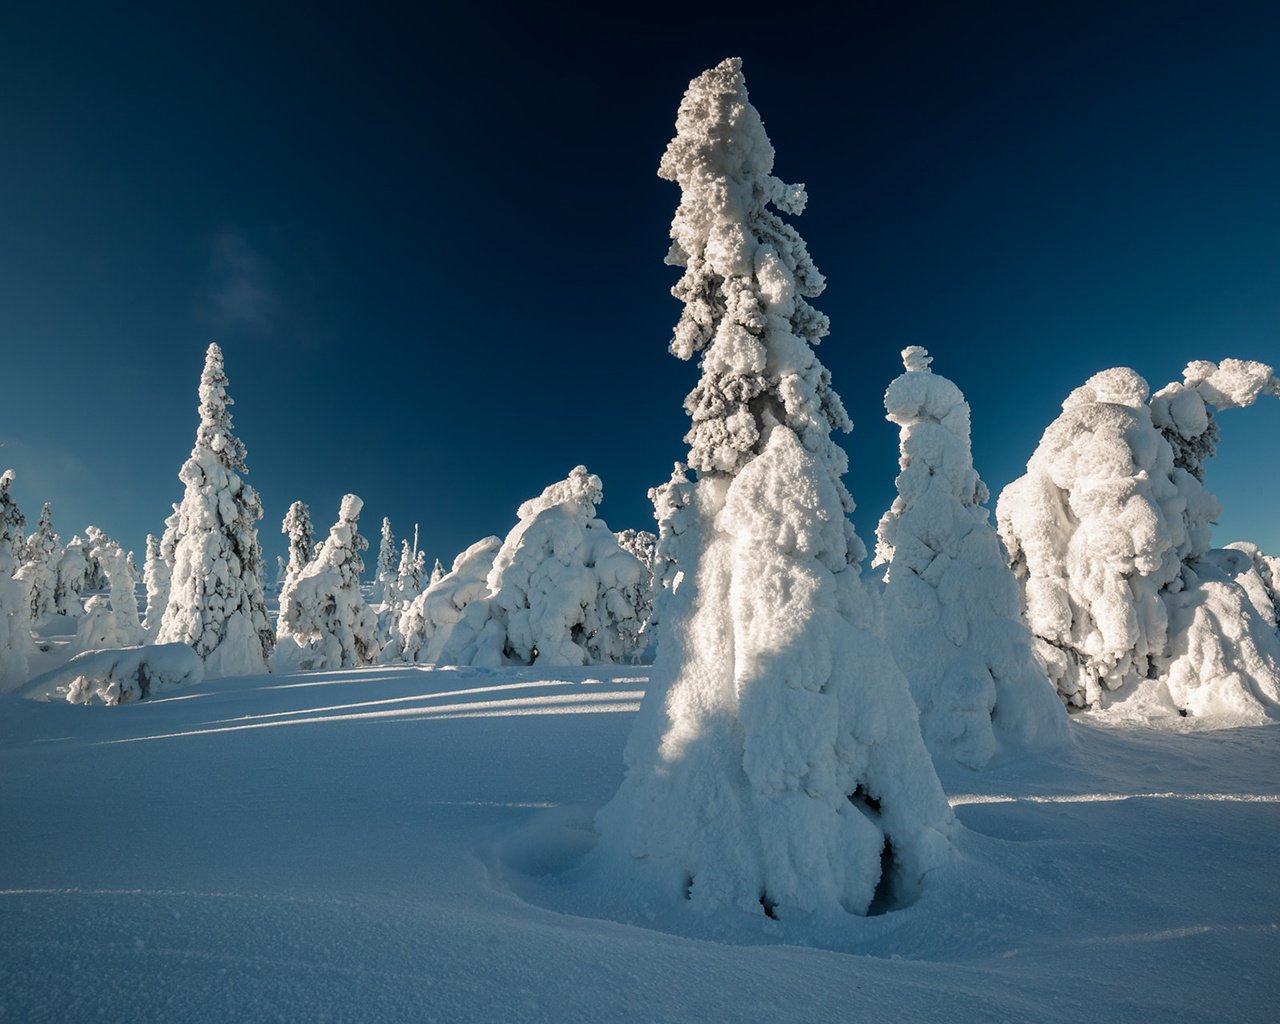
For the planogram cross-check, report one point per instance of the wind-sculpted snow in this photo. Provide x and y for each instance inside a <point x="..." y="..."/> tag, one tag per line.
<point x="953" y="613"/>
<point x="118" y="676"/>
<point x="1107" y="530"/>
<point x="426" y="624"/>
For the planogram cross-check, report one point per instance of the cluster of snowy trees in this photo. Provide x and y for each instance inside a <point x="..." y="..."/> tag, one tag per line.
<point x="784" y="760"/>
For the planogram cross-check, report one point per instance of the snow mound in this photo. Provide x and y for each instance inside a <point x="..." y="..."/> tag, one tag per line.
<point x="119" y="676"/>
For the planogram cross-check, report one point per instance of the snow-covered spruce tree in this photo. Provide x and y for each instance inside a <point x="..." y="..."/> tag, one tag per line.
<point x="302" y="548"/>
<point x="215" y="596"/>
<point x="428" y="620"/>
<point x="324" y="620"/>
<point x="40" y="571"/>
<point x="643" y="546"/>
<point x="1105" y="530"/>
<point x="156" y="574"/>
<point x="384" y="591"/>
<point x="953" y="610"/>
<point x="560" y="590"/>
<point x="120" y="586"/>
<point x="16" y="645"/>
<point x="437" y="573"/>
<point x="73" y="567"/>
<point x="13" y="523"/>
<point x="776" y="764"/>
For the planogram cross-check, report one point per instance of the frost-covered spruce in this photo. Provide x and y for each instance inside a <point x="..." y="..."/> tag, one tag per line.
<point x="72" y="569"/>
<point x="560" y="590"/>
<point x="324" y="620"/>
<point x="297" y="527"/>
<point x="776" y="764"/>
<point x="1110" y="519"/>
<point x="156" y="574"/>
<point x="953" y="611"/>
<point x="215" y="596"/>
<point x="40" y="571"/>
<point x="13" y="523"/>
<point x="120" y="585"/>
<point x="644" y="547"/>
<point x="437" y="573"/>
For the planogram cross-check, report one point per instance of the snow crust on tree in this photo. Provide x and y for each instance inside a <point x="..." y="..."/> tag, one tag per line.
<point x="119" y="676"/>
<point x="324" y="621"/>
<point x="121" y="586"/>
<point x="215" y="599"/>
<point x="1111" y="521"/>
<point x="13" y="523"/>
<point x="73" y="568"/>
<point x="776" y="765"/>
<point x="559" y="590"/>
<point x="156" y="574"/>
<point x="953" y="610"/>
<point x="40" y="571"/>
<point x="1260" y="576"/>
<point x="16" y="645"/>
<point x="433" y="612"/>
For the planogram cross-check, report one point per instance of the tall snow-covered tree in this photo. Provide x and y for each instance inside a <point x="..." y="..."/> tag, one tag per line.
<point x="776" y="764"/>
<point x="324" y="620"/>
<point x="16" y="645"/>
<point x="73" y="567"/>
<point x="40" y="571"/>
<point x="1106" y="530"/>
<point x="13" y="523"/>
<point x="952" y="607"/>
<point x="215" y="597"/>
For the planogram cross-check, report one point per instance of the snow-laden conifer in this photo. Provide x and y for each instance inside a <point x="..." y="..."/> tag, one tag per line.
<point x="40" y="571"/>
<point x="560" y="589"/>
<point x="297" y="527"/>
<point x="122" y="593"/>
<point x="437" y="573"/>
<point x="215" y="597"/>
<point x="13" y="523"/>
<point x="73" y="567"/>
<point x="16" y="645"/>
<point x="324" y="621"/>
<point x="427" y="622"/>
<point x="384" y="589"/>
<point x="776" y="764"/>
<point x="1106" y="530"/>
<point x="953" y="612"/>
<point x="156" y="575"/>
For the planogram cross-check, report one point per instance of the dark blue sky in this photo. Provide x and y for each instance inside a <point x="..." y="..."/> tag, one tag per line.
<point x="431" y="243"/>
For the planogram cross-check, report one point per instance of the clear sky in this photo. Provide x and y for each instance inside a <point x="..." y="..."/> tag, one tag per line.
<point x="431" y="243"/>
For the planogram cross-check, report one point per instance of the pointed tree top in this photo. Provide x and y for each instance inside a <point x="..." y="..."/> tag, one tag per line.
<point x="214" y="432"/>
<point x="916" y="359"/>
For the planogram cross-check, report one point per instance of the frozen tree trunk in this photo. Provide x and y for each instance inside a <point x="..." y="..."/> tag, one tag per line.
<point x="215" y="598"/>
<point x="953" y="611"/>
<point x="776" y="764"/>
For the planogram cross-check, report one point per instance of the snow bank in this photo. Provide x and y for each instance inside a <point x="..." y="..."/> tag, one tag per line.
<point x="118" y="676"/>
<point x="953" y="612"/>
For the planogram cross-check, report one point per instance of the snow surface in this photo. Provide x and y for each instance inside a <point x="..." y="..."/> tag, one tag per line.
<point x="398" y="844"/>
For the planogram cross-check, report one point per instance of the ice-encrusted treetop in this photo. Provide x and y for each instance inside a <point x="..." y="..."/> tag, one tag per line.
<point x="215" y="430"/>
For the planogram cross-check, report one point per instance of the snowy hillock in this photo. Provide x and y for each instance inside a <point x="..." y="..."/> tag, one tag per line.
<point x="119" y="675"/>
<point x="559" y="588"/>
<point x="953" y="612"/>
<point x="1108" y="528"/>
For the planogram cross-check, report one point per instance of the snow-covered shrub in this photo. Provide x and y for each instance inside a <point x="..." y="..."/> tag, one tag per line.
<point x="324" y="621"/>
<point x="435" y="611"/>
<point x="953" y="611"/>
<point x="560" y="590"/>
<point x="215" y="597"/>
<point x="1111" y="519"/>
<point x="776" y="764"/>
<point x="119" y="676"/>
<point x="40" y="571"/>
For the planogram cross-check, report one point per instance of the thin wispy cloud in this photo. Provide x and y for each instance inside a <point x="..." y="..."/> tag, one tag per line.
<point x="240" y="293"/>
